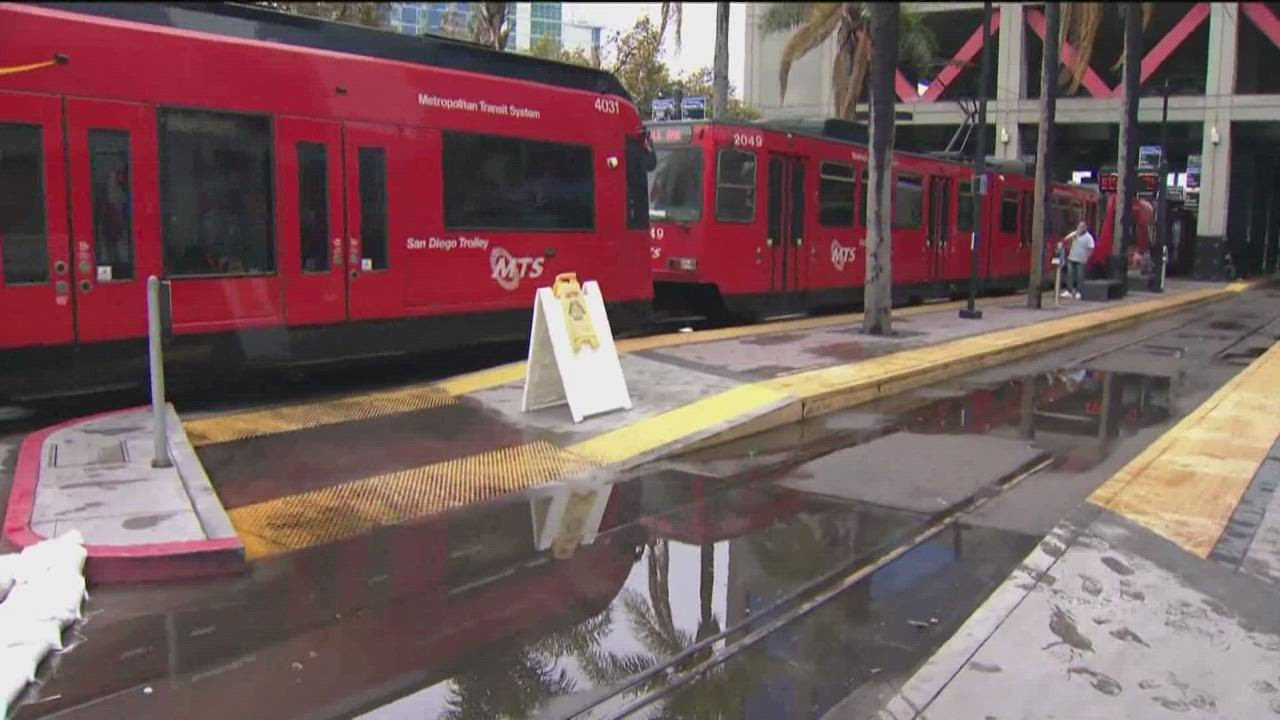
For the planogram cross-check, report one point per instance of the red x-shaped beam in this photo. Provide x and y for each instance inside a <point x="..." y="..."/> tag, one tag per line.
<point x="1258" y="12"/>
<point x="1264" y="19"/>
<point x="1092" y="83"/>
<point x="1172" y="40"/>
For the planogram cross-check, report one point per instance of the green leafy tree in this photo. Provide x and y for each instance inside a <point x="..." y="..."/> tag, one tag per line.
<point x="369" y="14"/>
<point x="637" y="63"/>
<point x="701" y="82"/>
<point x="548" y="48"/>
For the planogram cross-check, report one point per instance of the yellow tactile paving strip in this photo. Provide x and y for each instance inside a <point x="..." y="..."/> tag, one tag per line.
<point x="257" y="423"/>
<point x="334" y="513"/>
<point x="1186" y="484"/>
<point x="289" y="418"/>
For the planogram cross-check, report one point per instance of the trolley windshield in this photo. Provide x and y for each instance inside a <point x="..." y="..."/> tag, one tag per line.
<point x="675" y="185"/>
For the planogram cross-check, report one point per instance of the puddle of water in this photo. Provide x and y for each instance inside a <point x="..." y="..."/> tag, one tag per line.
<point x="453" y="608"/>
<point x="1074" y="413"/>
<point x="879" y="629"/>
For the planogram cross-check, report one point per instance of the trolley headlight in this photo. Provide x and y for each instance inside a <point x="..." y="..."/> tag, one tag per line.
<point x="683" y="264"/>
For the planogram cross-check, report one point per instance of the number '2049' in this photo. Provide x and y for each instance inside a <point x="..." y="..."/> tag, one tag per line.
<point x="748" y="140"/>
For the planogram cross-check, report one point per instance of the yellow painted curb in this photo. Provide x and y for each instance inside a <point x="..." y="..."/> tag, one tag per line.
<point x="1186" y="485"/>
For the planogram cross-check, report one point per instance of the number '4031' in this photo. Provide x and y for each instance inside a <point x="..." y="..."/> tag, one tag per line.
<point x="608" y="106"/>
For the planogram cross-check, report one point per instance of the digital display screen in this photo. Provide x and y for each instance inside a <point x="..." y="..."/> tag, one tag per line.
<point x="1107" y="183"/>
<point x="679" y="134"/>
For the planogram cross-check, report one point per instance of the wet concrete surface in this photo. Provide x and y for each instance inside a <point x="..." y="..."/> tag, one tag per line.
<point x="460" y="615"/>
<point x="256" y="469"/>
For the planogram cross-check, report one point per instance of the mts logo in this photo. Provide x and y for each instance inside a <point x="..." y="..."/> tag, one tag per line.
<point x="508" y="270"/>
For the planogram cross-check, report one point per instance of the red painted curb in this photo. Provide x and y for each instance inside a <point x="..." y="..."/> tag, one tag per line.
<point x="114" y="563"/>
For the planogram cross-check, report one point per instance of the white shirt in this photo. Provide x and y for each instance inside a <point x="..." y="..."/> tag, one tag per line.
<point x="1081" y="247"/>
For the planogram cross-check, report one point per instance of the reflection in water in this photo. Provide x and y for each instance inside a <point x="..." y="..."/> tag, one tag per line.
<point x="1059" y="410"/>
<point x="537" y="603"/>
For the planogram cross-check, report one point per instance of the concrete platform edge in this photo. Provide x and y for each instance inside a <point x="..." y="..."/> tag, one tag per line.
<point x="862" y="392"/>
<point x="219" y="554"/>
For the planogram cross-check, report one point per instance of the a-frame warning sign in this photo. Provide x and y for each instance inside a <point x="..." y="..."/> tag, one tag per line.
<point x="572" y="358"/>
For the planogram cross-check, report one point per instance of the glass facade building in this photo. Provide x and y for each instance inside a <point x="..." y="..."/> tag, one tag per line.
<point x="529" y="23"/>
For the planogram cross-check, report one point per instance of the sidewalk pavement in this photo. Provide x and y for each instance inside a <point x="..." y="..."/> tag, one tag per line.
<point x="688" y="390"/>
<point x="139" y="522"/>
<point x="1156" y="598"/>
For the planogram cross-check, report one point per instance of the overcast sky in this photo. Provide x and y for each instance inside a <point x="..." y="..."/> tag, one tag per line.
<point x="699" y="41"/>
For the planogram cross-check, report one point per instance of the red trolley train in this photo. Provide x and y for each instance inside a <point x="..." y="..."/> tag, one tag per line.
<point x="311" y="190"/>
<point x="753" y="221"/>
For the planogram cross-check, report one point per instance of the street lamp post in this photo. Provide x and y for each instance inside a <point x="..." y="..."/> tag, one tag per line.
<point x="1160" y="257"/>
<point x="970" y="312"/>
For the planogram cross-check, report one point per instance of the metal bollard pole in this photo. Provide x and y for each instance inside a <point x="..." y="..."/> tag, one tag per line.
<point x="159" y="409"/>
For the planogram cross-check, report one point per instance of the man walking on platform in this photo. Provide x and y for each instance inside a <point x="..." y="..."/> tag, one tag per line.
<point x="1082" y="244"/>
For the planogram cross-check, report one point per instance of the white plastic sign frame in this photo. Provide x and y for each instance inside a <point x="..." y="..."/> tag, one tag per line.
<point x="590" y="380"/>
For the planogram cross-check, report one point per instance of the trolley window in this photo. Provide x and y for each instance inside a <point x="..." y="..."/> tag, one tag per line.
<point x="1009" y="212"/>
<point x="736" y="186"/>
<point x="675" y="185"/>
<point x="373" y="206"/>
<point x="637" y="186"/>
<point x="908" y="202"/>
<point x="112" y="204"/>
<point x="965" y="208"/>
<point x="22" y="208"/>
<point x="313" y="206"/>
<point x="835" y="195"/>
<point x="504" y="183"/>
<point x="215" y="193"/>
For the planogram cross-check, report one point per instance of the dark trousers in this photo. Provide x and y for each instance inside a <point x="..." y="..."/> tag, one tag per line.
<point x="1075" y="275"/>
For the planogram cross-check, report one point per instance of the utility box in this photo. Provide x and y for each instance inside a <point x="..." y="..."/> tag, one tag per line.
<point x="1101" y="290"/>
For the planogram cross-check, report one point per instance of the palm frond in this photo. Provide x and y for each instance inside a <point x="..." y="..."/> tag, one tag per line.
<point x="1148" y="11"/>
<point x="823" y="20"/>
<point x="842" y="71"/>
<point x="1080" y="24"/>
<point x="858" y="75"/>
<point x="917" y="45"/>
<point x="782" y="16"/>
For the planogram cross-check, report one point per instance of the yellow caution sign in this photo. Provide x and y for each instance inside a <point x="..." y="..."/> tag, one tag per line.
<point x="574" y="524"/>
<point x="577" y="318"/>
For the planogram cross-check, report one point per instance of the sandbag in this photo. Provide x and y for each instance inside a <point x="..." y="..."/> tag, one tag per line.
<point x="18" y="665"/>
<point x="63" y="553"/>
<point x="16" y="630"/>
<point x="52" y="596"/>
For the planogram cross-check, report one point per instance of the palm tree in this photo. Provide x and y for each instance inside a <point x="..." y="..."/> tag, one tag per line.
<point x="1044" y="149"/>
<point x="884" y="63"/>
<point x="1126" y="184"/>
<point x="720" y="66"/>
<point x="847" y="22"/>
<point x="1080" y="23"/>
<point x="672" y="14"/>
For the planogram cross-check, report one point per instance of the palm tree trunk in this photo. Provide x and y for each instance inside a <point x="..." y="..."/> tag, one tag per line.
<point x="720" y="66"/>
<point x="1044" y="150"/>
<point x="1126" y="183"/>
<point x="878" y="297"/>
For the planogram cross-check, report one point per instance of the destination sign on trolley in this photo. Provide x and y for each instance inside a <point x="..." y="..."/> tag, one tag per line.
<point x="679" y="134"/>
